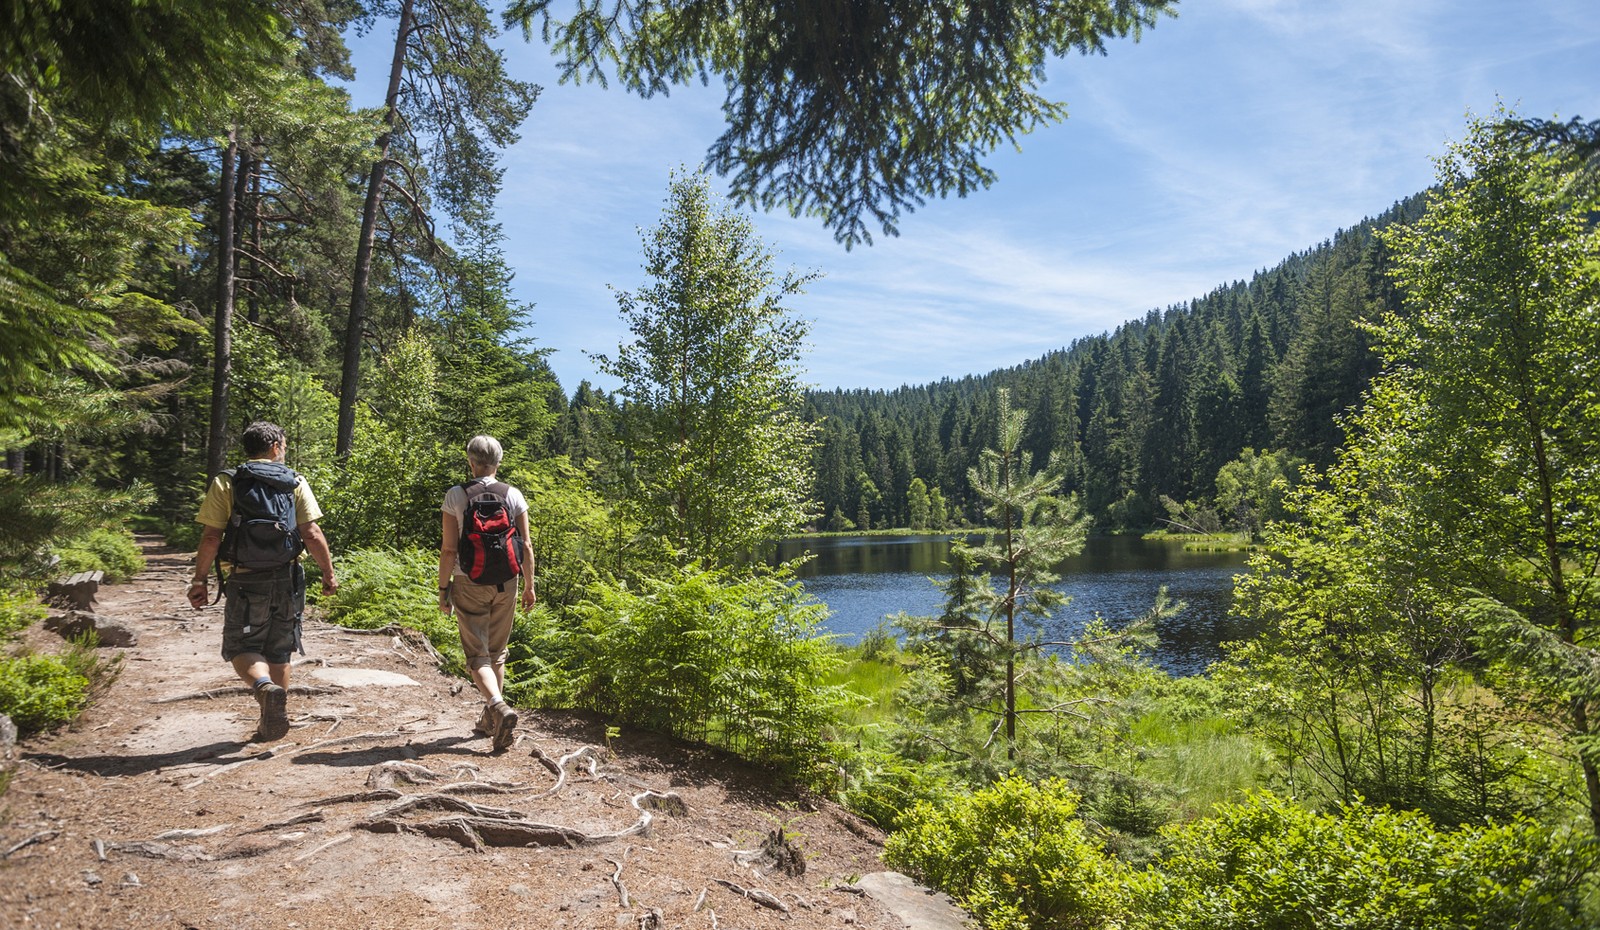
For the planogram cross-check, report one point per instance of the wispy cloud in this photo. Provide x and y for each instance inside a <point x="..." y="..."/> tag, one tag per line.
<point x="1228" y="138"/>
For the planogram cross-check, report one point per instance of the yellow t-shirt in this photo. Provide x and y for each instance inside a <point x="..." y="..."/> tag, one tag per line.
<point x="217" y="507"/>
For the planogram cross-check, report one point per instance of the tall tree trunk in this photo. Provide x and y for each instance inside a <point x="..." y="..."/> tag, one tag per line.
<point x="350" y="381"/>
<point x="250" y="219"/>
<point x="222" y="328"/>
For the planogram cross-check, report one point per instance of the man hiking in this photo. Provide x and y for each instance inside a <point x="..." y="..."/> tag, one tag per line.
<point x="258" y="518"/>
<point x="485" y="547"/>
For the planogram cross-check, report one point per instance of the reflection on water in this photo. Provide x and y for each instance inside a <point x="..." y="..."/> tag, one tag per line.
<point x="863" y="579"/>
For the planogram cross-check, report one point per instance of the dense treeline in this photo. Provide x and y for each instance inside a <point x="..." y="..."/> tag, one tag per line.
<point x="1154" y="409"/>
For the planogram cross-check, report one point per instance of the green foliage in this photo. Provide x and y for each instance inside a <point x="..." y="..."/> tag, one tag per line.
<point x="730" y="662"/>
<point x="112" y="551"/>
<point x="578" y="541"/>
<point x="1267" y="862"/>
<point x="1015" y="855"/>
<point x="886" y="788"/>
<point x="711" y="383"/>
<point x="1251" y="488"/>
<point x="34" y="512"/>
<point x="19" y="609"/>
<point x="39" y="692"/>
<point x="383" y="587"/>
<point x="1485" y="424"/>
<point x="840" y="110"/>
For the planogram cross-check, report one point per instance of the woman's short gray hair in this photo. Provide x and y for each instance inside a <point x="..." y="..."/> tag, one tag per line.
<point x="484" y="451"/>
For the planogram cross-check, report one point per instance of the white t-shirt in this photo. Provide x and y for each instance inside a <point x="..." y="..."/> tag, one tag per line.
<point x="455" y="503"/>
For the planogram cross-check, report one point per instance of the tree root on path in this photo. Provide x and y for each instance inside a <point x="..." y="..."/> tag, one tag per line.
<point x="616" y="879"/>
<point x="241" y="691"/>
<point x="510" y="828"/>
<point x="402" y="635"/>
<point x="36" y="838"/>
<point x="763" y="898"/>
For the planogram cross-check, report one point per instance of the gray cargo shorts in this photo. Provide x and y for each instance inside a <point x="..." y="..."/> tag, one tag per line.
<point x="263" y="614"/>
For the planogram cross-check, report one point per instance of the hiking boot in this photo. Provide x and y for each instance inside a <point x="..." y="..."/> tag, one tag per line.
<point x="505" y="724"/>
<point x="274" y="701"/>
<point x="485" y="724"/>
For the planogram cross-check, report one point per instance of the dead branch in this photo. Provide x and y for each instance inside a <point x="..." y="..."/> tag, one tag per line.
<point x="760" y="897"/>
<point x="362" y="797"/>
<point x="413" y="638"/>
<point x="190" y="834"/>
<point x="385" y="734"/>
<point x="241" y="690"/>
<point x="230" y="767"/>
<point x="36" y="838"/>
<point x="616" y="881"/>
<point x="333" y="842"/>
<point x="153" y="850"/>
<point x="315" y="816"/>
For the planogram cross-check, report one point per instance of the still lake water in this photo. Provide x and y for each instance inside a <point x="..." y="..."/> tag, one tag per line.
<point x="863" y="579"/>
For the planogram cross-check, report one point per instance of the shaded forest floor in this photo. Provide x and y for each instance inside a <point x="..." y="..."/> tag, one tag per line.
<point x="156" y="810"/>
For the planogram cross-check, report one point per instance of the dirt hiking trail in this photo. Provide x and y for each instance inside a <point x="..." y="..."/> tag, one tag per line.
<point x="381" y="808"/>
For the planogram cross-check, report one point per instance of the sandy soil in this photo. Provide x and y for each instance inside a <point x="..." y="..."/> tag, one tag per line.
<point x="271" y="836"/>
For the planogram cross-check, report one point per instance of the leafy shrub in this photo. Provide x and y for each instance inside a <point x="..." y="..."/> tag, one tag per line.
<point x="1016" y="856"/>
<point x="885" y="788"/>
<point x="112" y="551"/>
<point x="383" y="587"/>
<point x="39" y="692"/>
<point x="1266" y="862"/>
<point x="19" y="609"/>
<point x="730" y="662"/>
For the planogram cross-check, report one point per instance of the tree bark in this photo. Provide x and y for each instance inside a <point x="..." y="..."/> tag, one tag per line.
<point x="222" y="325"/>
<point x="350" y="381"/>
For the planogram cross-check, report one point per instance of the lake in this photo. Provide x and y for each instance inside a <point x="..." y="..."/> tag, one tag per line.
<point x="863" y="579"/>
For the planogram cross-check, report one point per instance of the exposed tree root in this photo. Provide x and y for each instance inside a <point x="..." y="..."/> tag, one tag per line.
<point x="328" y="845"/>
<point x="497" y="827"/>
<point x="478" y="833"/>
<point x="151" y="849"/>
<point x="385" y="774"/>
<point x="359" y="737"/>
<point x="765" y="899"/>
<point x="315" y="816"/>
<point x="616" y="879"/>
<point x="190" y="834"/>
<point x="240" y="691"/>
<point x="36" y="838"/>
<point x="402" y="635"/>
<point x="444" y="802"/>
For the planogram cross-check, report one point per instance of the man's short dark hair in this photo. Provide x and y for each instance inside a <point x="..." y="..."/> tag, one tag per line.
<point x="260" y="436"/>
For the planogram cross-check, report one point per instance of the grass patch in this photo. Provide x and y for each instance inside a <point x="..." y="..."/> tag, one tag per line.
<point x="1203" y="542"/>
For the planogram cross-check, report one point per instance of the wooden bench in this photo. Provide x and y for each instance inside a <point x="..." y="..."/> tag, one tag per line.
<point x="76" y="591"/>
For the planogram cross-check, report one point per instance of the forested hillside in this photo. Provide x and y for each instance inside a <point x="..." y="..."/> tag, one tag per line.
<point x="1154" y="409"/>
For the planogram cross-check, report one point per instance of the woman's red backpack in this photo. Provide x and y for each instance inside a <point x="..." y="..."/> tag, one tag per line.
<point x="488" y="550"/>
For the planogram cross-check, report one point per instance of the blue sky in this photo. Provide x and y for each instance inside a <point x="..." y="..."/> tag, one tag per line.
<point x="1226" y="139"/>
